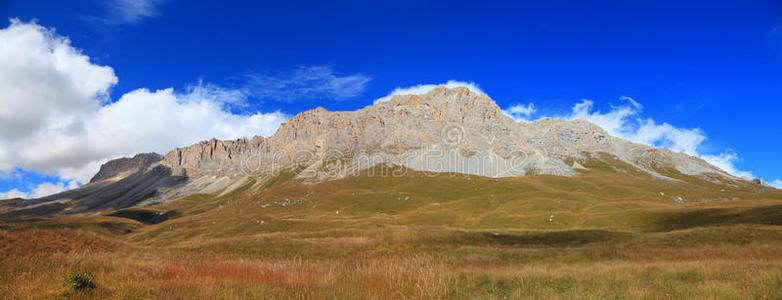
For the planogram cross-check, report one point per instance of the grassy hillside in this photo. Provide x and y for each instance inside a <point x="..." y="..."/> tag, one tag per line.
<point x="608" y="232"/>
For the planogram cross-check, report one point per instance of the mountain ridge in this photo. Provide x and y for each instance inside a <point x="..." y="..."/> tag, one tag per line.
<point x="314" y="131"/>
<point x="447" y="130"/>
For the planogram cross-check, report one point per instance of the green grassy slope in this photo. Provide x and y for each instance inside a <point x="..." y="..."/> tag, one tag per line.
<point x="607" y="198"/>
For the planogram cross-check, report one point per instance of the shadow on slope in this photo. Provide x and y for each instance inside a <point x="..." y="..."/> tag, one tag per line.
<point x="145" y="216"/>
<point x="762" y="215"/>
<point x="563" y="238"/>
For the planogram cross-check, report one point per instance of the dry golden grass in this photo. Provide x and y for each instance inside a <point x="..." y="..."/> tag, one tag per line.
<point x="613" y="236"/>
<point x="635" y="269"/>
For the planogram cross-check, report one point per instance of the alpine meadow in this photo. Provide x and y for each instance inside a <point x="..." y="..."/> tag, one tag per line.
<point x="275" y="168"/>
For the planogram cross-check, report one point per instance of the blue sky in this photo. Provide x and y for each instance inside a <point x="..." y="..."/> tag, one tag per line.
<point x="699" y="69"/>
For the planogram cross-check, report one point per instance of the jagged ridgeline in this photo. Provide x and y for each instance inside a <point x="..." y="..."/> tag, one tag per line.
<point x="448" y="130"/>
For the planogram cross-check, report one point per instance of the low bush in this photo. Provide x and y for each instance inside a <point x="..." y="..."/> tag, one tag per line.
<point x="80" y="280"/>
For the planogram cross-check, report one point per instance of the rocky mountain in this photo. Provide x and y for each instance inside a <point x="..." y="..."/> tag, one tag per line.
<point x="446" y="130"/>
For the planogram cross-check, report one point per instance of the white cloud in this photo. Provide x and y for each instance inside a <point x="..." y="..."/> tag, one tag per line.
<point x="130" y="11"/>
<point x="425" y="88"/>
<point x="36" y="66"/>
<point x="520" y="113"/>
<point x="776" y="184"/>
<point x="623" y="121"/>
<point x="306" y="83"/>
<point x="55" y="117"/>
<point x="14" y="193"/>
<point x="48" y="188"/>
<point x="667" y="136"/>
<point x="142" y="121"/>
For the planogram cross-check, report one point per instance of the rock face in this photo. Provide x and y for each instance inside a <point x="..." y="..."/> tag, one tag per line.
<point x="445" y="130"/>
<point x="213" y="157"/>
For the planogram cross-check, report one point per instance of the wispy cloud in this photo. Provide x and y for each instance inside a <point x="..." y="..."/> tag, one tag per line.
<point x="776" y="183"/>
<point x="774" y="39"/>
<point x="306" y="83"/>
<point x="129" y="11"/>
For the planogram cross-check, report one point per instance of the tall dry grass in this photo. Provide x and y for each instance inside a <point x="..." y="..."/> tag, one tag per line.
<point x="598" y="271"/>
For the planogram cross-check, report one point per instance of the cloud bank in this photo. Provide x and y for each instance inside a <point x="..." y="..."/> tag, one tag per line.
<point x="57" y="118"/>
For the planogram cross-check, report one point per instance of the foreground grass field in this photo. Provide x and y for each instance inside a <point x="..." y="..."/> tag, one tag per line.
<point x="603" y="234"/>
